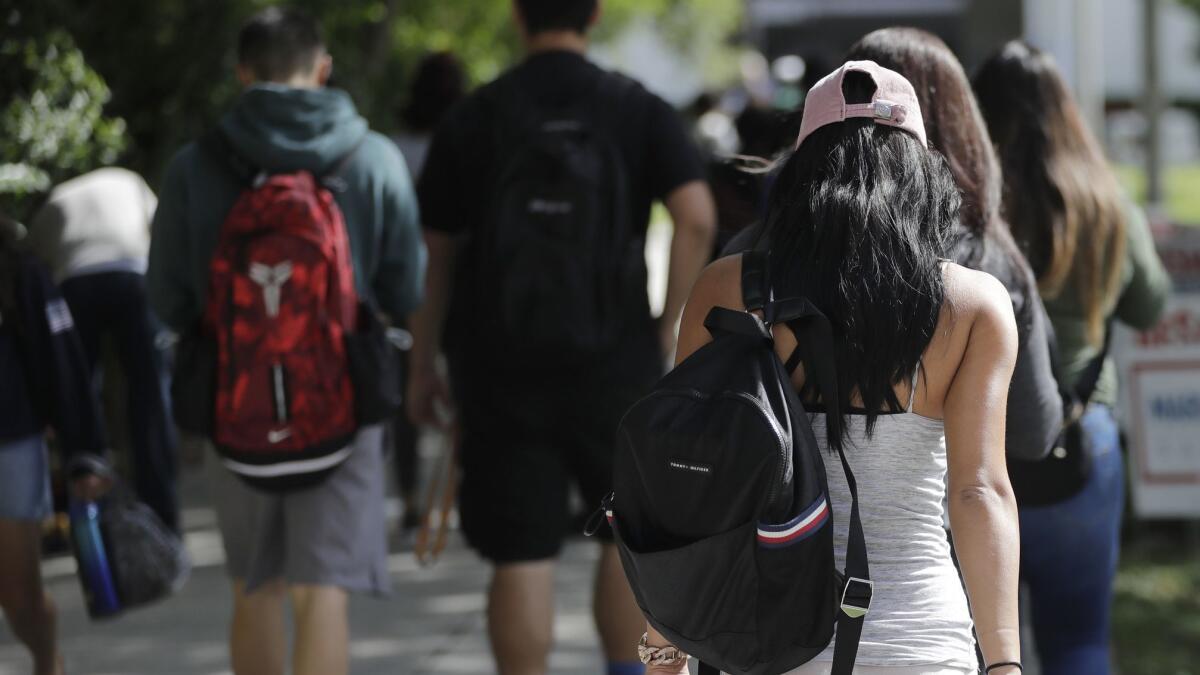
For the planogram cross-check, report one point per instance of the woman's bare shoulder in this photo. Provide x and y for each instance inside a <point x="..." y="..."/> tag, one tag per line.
<point x="970" y="293"/>
<point x="719" y="285"/>
<point x="980" y="311"/>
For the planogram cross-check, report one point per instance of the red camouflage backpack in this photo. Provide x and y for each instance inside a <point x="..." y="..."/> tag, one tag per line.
<point x="281" y="300"/>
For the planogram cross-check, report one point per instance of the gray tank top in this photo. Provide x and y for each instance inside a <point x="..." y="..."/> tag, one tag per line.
<point x="919" y="612"/>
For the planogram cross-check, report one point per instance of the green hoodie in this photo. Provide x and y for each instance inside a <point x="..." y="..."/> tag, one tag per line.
<point x="280" y="128"/>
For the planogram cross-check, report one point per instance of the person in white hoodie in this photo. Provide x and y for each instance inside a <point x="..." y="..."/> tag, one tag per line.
<point x="94" y="233"/>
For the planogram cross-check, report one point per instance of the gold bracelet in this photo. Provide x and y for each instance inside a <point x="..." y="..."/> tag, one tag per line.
<point x="659" y="656"/>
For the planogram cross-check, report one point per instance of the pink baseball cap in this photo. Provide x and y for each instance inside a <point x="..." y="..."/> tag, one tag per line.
<point x="894" y="102"/>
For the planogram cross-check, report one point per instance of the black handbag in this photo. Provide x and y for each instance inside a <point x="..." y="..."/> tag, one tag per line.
<point x="374" y="362"/>
<point x="1065" y="471"/>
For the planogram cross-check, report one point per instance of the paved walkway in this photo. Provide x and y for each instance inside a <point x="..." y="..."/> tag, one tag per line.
<point x="433" y="623"/>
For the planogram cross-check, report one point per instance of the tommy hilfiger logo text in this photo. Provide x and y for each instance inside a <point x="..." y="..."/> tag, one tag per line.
<point x="690" y="466"/>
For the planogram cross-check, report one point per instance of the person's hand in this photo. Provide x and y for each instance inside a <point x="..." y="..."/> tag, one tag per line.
<point x="90" y="487"/>
<point x="655" y="639"/>
<point x="681" y="669"/>
<point x="429" y="400"/>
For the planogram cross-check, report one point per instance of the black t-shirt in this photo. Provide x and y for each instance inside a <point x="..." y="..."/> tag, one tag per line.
<point x="455" y="186"/>
<point x="659" y="156"/>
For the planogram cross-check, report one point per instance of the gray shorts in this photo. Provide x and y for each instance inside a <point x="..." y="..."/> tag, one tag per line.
<point x="24" y="479"/>
<point x="333" y="534"/>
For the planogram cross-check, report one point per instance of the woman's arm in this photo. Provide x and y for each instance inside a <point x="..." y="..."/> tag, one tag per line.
<point x="1144" y="298"/>
<point x="983" y="512"/>
<point x="655" y="639"/>
<point x="719" y="285"/>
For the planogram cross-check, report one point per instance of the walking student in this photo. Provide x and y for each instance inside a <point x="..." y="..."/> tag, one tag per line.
<point x="859" y="222"/>
<point x="536" y="198"/>
<point x="437" y="84"/>
<point x="1095" y="263"/>
<point x="94" y="230"/>
<point x="981" y="239"/>
<point x="47" y="383"/>
<point x="316" y="544"/>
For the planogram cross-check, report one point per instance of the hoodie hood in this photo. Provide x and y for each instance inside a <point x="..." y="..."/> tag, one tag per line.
<point x="282" y="128"/>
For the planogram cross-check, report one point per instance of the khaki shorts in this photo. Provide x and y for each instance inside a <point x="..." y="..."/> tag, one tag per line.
<point x="332" y="534"/>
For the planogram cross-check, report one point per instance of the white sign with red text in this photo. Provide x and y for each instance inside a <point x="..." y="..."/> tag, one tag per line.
<point x="1160" y="392"/>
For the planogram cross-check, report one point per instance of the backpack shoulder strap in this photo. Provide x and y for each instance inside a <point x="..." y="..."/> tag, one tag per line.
<point x="857" y="587"/>
<point x="815" y="349"/>
<point x="754" y="280"/>
<point x="610" y="92"/>
<point x="216" y="142"/>
<point x="333" y="178"/>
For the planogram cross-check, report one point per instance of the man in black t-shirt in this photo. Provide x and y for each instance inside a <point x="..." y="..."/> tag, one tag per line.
<point x="532" y="426"/>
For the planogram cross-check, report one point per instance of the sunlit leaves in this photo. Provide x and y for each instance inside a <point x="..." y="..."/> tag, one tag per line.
<point x="52" y="124"/>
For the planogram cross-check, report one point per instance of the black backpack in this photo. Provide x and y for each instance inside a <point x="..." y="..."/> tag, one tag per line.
<point x="558" y="259"/>
<point x="720" y="504"/>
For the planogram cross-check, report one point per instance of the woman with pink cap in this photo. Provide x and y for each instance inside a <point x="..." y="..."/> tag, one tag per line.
<point x="859" y="222"/>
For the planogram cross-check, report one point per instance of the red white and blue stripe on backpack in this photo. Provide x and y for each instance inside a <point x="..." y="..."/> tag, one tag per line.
<point x="798" y="529"/>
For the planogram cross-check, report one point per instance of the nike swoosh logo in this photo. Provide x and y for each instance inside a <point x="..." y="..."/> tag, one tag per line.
<point x="277" y="436"/>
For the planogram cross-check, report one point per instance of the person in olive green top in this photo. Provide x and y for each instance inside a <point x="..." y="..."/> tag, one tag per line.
<point x="1095" y="261"/>
<point x="1141" y="287"/>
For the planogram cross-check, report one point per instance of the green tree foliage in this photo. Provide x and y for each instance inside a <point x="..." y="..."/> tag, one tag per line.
<point x="170" y="62"/>
<point x="52" y="123"/>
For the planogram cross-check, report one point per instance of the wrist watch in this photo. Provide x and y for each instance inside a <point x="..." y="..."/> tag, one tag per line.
<point x="659" y="656"/>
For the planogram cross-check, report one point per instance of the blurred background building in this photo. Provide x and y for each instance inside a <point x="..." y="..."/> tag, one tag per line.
<point x="1101" y="45"/>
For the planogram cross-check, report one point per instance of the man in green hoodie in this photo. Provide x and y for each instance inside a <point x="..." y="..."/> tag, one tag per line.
<point x="317" y="544"/>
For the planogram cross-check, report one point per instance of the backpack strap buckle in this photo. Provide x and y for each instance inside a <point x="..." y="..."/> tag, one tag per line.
<point x="856" y="597"/>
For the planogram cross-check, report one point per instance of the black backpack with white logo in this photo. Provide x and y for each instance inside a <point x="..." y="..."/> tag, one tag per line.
<point x="720" y="505"/>
<point x="558" y="261"/>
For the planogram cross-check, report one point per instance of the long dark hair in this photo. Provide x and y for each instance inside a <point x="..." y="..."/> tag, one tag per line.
<point x="438" y="83"/>
<point x="858" y="219"/>
<point x="956" y="129"/>
<point x="1060" y="195"/>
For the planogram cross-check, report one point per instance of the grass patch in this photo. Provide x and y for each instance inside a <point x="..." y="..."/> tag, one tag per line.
<point x="1181" y="187"/>
<point x="1156" y="611"/>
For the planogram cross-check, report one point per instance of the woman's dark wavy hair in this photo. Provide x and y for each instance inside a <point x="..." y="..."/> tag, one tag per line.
<point x="955" y="128"/>
<point x="438" y="83"/>
<point x="857" y="221"/>
<point x="1065" y="204"/>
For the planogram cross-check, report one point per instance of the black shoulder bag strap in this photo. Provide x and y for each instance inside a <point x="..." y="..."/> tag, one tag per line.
<point x="815" y="349"/>
<point x="333" y="178"/>
<point x="1068" y="395"/>
<point x="1077" y="398"/>
<point x="217" y="142"/>
<point x="1085" y="387"/>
